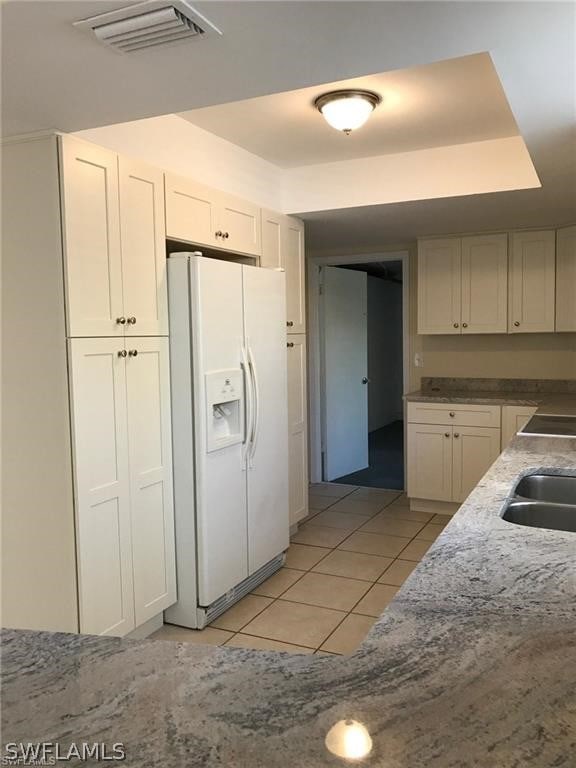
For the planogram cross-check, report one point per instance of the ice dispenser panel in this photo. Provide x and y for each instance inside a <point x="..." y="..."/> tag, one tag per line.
<point x="224" y="411"/>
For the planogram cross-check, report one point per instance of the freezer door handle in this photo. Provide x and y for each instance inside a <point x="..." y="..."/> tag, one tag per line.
<point x="248" y="402"/>
<point x="256" y="406"/>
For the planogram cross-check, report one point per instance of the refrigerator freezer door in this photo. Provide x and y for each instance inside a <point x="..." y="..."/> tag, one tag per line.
<point x="265" y="339"/>
<point x="216" y="304"/>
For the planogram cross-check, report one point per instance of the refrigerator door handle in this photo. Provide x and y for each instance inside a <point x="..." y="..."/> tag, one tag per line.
<point x="248" y="402"/>
<point x="256" y="416"/>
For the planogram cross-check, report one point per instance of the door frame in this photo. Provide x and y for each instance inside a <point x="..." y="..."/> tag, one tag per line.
<point x="315" y="346"/>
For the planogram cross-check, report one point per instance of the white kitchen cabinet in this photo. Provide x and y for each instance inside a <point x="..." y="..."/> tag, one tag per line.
<point x="532" y="282"/>
<point x="485" y="284"/>
<point x="514" y="417"/>
<point x="150" y="464"/>
<point x="439" y="286"/>
<point x="566" y="279"/>
<point x="143" y="249"/>
<point x="283" y="247"/>
<point x="123" y="481"/>
<point x="205" y="216"/>
<point x="446" y="460"/>
<point x="297" y="428"/>
<point x="102" y="486"/>
<point x="91" y="230"/>
<point x="475" y="449"/>
<point x="429" y="462"/>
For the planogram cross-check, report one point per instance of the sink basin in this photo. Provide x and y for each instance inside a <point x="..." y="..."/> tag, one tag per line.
<point x="558" y="517"/>
<point x="556" y="489"/>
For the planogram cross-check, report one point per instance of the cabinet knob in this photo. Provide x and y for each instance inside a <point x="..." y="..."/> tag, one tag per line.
<point x="289" y="323"/>
<point x="133" y="352"/>
<point x="446" y="434"/>
<point x="456" y="434"/>
<point x="122" y="353"/>
<point x="131" y="321"/>
<point x="452" y="414"/>
<point x="226" y="235"/>
<point x="464" y="325"/>
<point x="120" y="320"/>
<point x="290" y="344"/>
<point x="456" y="325"/>
<point x="516" y="323"/>
<point x="219" y="233"/>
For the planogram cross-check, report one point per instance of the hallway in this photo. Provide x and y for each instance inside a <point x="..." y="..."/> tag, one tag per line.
<point x="386" y="457"/>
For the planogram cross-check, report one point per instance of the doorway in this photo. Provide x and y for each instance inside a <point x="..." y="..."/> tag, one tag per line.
<point x="360" y="366"/>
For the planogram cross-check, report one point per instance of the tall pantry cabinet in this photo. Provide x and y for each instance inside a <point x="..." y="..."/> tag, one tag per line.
<point x="106" y="527"/>
<point x="283" y="248"/>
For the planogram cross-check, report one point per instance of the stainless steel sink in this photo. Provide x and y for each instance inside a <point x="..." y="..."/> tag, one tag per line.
<point x="558" y="517"/>
<point x="556" y="489"/>
<point x="543" y="501"/>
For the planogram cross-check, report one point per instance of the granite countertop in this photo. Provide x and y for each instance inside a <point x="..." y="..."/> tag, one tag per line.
<point x="473" y="665"/>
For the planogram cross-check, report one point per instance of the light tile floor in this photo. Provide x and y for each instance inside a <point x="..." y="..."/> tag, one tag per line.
<point x="345" y="564"/>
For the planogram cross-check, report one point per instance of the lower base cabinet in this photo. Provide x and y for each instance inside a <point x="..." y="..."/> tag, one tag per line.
<point x="446" y="461"/>
<point x="297" y="428"/>
<point x="514" y="417"/>
<point x="122" y="481"/>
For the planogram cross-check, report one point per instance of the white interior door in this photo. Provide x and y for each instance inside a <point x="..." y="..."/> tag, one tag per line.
<point x="344" y="371"/>
<point x="267" y="455"/>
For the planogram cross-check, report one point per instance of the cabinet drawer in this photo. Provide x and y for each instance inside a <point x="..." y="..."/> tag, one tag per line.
<point x="455" y="413"/>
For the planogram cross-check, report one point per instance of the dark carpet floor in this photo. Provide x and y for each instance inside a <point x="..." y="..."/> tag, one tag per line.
<point x="386" y="457"/>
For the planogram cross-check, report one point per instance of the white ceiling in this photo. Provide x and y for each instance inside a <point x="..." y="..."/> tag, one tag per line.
<point x="447" y="102"/>
<point x="54" y="76"/>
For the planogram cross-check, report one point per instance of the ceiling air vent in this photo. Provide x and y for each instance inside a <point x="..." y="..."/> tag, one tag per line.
<point x="147" y="25"/>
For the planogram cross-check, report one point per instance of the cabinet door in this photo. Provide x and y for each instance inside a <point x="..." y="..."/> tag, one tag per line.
<point x="239" y="223"/>
<point x="293" y="263"/>
<point x="297" y="429"/>
<point x="475" y="449"/>
<point x="485" y="284"/>
<point x="439" y="286"/>
<point x="514" y="417"/>
<point x="143" y="241"/>
<point x="101" y="486"/>
<point x="191" y="211"/>
<point x="566" y="279"/>
<point x="152" y="507"/>
<point x="430" y="462"/>
<point x="93" y="271"/>
<point x="271" y="257"/>
<point x="532" y="282"/>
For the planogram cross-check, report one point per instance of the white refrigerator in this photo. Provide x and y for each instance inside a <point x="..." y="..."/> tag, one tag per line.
<point x="230" y="431"/>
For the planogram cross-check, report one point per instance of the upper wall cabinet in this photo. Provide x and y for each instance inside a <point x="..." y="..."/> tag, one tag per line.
<point x="204" y="216"/>
<point x="114" y="243"/>
<point x="91" y="228"/>
<point x="283" y="248"/>
<point x="485" y="284"/>
<point x="532" y="282"/>
<point x="439" y="285"/>
<point x="462" y="285"/>
<point x="566" y="279"/>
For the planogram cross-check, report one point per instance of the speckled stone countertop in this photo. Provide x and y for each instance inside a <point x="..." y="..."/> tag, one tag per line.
<point x="549" y="395"/>
<point x="473" y="665"/>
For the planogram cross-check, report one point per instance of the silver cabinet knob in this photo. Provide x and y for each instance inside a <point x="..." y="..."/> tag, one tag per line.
<point x="226" y="235"/>
<point x="464" y="325"/>
<point x="133" y="352"/>
<point x="219" y="233"/>
<point x="456" y="325"/>
<point x="289" y="323"/>
<point x="122" y="353"/>
<point x="446" y="434"/>
<point x="120" y="320"/>
<point x="131" y="321"/>
<point x="290" y="344"/>
<point x="516" y="323"/>
<point x="365" y="380"/>
<point x="456" y="434"/>
<point x="452" y="414"/>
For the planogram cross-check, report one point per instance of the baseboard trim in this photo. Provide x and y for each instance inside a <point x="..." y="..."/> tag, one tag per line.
<point x="434" y="507"/>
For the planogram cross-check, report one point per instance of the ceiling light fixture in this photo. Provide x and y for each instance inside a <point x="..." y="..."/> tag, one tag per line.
<point x="347" y="110"/>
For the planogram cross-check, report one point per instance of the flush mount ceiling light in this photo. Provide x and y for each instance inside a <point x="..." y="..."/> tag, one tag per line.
<point x="347" y="110"/>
